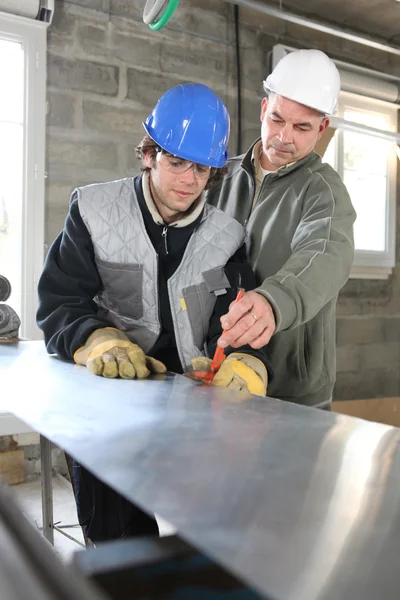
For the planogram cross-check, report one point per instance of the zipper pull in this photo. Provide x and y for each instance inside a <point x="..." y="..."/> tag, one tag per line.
<point x="164" y="234"/>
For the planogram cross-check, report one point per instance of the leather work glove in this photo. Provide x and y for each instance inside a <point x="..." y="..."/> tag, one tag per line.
<point x="237" y="372"/>
<point x="110" y="353"/>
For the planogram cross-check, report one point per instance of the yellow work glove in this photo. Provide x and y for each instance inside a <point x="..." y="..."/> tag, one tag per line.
<point x="110" y="353"/>
<point x="237" y="372"/>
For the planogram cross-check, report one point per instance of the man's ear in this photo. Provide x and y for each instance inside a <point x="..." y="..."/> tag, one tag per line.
<point x="148" y="161"/>
<point x="324" y="141"/>
<point x="264" y="105"/>
<point x="322" y="126"/>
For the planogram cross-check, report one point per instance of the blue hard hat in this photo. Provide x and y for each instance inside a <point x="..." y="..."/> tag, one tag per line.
<point x="192" y="122"/>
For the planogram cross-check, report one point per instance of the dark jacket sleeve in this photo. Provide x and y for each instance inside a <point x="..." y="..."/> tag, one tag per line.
<point x="67" y="314"/>
<point x="240" y="275"/>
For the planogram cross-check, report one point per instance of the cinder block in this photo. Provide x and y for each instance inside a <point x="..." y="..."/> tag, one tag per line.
<point x="61" y="110"/>
<point x="391" y="329"/>
<point x="84" y="76"/>
<point x="84" y="154"/>
<point x="216" y="8"/>
<point x="202" y="21"/>
<point x="253" y="70"/>
<point x="146" y="88"/>
<point x="79" y="175"/>
<point x="93" y="40"/>
<point x="62" y="25"/>
<point x="58" y="193"/>
<point x="101" y="5"/>
<point x="372" y="383"/>
<point x="385" y="355"/>
<point x="131" y="163"/>
<point x="113" y="119"/>
<point x="143" y="51"/>
<point x="55" y="218"/>
<point x="127" y="8"/>
<point x="202" y="60"/>
<point x="347" y="358"/>
<point x="249" y="135"/>
<point x="359" y="331"/>
<point x="257" y="20"/>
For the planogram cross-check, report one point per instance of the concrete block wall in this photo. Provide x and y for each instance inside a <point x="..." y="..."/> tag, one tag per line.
<point x="106" y="70"/>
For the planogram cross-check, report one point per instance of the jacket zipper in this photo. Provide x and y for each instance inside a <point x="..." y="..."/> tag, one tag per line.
<point x="164" y="235"/>
<point x="260" y="189"/>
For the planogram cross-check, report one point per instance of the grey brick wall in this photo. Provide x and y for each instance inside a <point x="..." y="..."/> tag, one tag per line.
<point x="106" y="70"/>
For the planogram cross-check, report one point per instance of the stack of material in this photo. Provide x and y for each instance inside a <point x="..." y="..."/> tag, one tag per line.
<point x="9" y="320"/>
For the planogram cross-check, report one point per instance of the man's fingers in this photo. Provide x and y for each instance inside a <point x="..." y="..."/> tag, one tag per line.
<point x="201" y="363"/>
<point x="245" y="330"/>
<point x="250" y="321"/>
<point x="246" y="333"/>
<point x="126" y="369"/>
<point x="256" y="335"/>
<point x="155" y="366"/>
<point x="236" y="312"/>
<point x="110" y="367"/>
<point x="263" y="339"/>
<point x="138" y="359"/>
<point x="96" y="366"/>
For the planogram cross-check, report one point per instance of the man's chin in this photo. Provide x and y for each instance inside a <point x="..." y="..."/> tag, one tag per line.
<point x="278" y="159"/>
<point x="181" y="206"/>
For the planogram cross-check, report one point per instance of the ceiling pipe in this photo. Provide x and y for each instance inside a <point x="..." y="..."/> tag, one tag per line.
<point x="292" y="18"/>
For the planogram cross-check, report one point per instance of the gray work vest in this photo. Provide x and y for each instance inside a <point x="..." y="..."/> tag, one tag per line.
<point x="128" y="266"/>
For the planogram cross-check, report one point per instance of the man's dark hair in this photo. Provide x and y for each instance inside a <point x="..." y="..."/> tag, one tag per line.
<point x="150" y="147"/>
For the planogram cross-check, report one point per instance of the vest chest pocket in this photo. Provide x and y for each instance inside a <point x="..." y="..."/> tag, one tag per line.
<point x="122" y="288"/>
<point x="200" y="301"/>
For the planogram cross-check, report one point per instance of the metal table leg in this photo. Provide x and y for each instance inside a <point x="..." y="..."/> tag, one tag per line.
<point x="47" y="489"/>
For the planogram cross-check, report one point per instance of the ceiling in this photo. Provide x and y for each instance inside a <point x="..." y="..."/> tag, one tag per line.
<point x="374" y="18"/>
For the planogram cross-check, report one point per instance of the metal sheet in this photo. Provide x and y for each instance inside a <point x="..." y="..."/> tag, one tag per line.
<point x="299" y="503"/>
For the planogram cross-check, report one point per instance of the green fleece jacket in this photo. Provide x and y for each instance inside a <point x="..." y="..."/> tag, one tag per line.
<point x="300" y="244"/>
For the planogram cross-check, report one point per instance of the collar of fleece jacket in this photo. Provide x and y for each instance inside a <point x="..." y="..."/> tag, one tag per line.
<point x="192" y="215"/>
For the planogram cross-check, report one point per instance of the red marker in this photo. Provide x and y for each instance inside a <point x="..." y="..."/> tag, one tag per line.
<point x="219" y="355"/>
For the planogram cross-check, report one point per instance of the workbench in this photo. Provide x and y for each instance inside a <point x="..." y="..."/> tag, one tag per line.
<point x="298" y="503"/>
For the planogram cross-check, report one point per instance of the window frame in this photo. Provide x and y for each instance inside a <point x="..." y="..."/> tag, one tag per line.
<point x="368" y="263"/>
<point x="31" y="35"/>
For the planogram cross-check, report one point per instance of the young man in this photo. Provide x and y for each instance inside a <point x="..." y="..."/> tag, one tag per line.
<point x="138" y="280"/>
<point x="299" y="221"/>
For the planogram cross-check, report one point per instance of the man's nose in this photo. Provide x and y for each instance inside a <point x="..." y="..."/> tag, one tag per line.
<point x="189" y="175"/>
<point x="286" y="134"/>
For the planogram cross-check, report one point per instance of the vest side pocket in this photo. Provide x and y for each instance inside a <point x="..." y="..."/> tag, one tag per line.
<point x="199" y="305"/>
<point x="122" y="290"/>
<point x="200" y="301"/>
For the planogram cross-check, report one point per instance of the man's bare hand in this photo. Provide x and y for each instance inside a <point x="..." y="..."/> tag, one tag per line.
<point x="249" y="321"/>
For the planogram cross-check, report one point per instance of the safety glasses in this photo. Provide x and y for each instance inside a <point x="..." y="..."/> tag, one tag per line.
<point x="177" y="165"/>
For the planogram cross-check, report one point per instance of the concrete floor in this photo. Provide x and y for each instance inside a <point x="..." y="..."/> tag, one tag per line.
<point x="29" y="496"/>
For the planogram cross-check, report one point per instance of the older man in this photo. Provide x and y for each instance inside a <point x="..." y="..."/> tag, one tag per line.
<point x="299" y="221"/>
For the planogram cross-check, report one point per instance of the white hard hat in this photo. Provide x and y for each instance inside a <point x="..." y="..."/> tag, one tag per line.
<point x="309" y="77"/>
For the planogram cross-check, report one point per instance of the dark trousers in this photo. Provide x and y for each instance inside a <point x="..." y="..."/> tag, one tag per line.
<point x="104" y="514"/>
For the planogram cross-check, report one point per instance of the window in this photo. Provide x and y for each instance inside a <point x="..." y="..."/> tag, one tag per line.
<point x="22" y="145"/>
<point x="367" y="164"/>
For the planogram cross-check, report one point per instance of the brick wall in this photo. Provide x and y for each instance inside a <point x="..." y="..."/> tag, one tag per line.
<point x="106" y="70"/>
